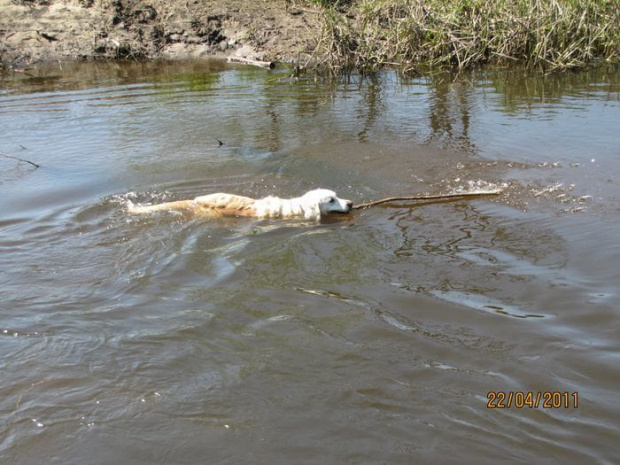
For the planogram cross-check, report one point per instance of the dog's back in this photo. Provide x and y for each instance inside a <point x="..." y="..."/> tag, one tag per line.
<point x="222" y="204"/>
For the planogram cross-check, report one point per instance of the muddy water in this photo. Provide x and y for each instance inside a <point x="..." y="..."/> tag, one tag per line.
<point x="379" y="338"/>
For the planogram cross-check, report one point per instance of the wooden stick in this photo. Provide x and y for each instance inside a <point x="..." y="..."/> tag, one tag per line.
<point x="20" y="159"/>
<point x="428" y="197"/>
<point x="260" y="64"/>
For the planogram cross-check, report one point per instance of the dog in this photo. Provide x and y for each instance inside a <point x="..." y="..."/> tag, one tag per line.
<point x="311" y="206"/>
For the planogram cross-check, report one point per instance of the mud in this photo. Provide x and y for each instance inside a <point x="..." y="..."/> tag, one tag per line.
<point x="39" y="30"/>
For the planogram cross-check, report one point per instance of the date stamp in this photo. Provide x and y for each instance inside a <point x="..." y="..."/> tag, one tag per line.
<point x="531" y="399"/>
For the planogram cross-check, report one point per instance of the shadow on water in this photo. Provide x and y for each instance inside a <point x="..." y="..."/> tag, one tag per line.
<point x="374" y="338"/>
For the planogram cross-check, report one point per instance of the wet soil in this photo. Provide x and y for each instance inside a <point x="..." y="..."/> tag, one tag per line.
<point x="38" y="30"/>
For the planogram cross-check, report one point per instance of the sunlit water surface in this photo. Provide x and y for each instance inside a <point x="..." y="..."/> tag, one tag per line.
<point x="372" y="339"/>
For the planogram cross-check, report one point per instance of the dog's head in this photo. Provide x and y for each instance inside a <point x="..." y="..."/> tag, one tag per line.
<point x="326" y="201"/>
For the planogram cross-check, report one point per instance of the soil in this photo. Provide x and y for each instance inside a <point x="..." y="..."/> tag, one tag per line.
<point x="33" y="31"/>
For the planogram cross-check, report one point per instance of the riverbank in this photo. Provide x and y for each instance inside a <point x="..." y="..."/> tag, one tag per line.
<point x="36" y="31"/>
<point x="339" y="36"/>
<point x="415" y="34"/>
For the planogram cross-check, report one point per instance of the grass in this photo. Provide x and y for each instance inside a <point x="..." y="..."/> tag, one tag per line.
<point x="421" y="34"/>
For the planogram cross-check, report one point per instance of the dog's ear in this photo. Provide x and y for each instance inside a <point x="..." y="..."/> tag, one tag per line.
<point x="312" y="211"/>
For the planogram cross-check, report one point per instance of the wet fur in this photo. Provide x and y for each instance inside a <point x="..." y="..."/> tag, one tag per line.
<point x="311" y="205"/>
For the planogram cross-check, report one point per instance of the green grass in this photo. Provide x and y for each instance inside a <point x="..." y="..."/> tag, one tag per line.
<point x="414" y="34"/>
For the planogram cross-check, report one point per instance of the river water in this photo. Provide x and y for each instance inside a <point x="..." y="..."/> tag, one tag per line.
<point x="383" y="337"/>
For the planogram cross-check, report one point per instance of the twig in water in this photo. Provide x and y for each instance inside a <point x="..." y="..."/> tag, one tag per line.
<point x="20" y="159"/>
<point x="428" y="197"/>
<point x="27" y="390"/>
<point x="260" y="64"/>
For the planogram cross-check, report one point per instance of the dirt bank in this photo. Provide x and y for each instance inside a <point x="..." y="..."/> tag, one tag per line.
<point x="363" y="35"/>
<point x="38" y="30"/>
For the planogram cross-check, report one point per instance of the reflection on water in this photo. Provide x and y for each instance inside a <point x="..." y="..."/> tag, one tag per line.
<point x="372" y="339"/>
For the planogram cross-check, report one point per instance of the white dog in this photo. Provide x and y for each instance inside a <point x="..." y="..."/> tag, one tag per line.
<point x="311" y="205"/>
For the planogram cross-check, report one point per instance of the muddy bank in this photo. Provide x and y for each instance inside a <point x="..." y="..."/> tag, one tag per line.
<point x="35" y="31"/>
<point x="340" y="36"/>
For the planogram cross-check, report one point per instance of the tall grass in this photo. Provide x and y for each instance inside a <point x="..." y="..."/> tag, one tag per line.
<point x="415" y="34"/>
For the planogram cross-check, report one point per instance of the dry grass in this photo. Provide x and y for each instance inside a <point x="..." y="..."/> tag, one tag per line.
<point x="414" y="34"/>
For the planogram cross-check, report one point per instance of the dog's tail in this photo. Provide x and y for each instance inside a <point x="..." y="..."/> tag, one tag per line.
<point x="180" y="205"/>
<point x="137" y="209"/>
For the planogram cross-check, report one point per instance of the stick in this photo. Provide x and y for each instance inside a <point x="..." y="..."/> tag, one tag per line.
<point x="428" y="197"/>
<point x="260" y="64"/>
<point x="20" y="159"/>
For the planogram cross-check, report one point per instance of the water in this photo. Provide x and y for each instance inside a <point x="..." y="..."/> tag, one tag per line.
<point x="374" y="339"/>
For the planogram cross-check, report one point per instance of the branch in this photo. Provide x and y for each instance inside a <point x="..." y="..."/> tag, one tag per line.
<point x="20" y="159"/>
<point x="260" y="64"/>
<point x="429" y="197"/>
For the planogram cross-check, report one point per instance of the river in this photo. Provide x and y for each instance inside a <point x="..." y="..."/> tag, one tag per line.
<point x="480" y="330"/>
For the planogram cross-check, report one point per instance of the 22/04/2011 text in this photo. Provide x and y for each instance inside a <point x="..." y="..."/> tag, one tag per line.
<point x="531" y="399"/>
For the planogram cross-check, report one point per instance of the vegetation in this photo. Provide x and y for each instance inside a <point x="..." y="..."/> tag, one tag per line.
<point x="346" y="35"/>
<point x="414" y="34"/>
